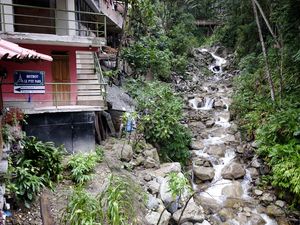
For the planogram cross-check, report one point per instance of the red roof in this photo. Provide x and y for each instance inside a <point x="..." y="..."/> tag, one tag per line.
<point x="13" y="52"/>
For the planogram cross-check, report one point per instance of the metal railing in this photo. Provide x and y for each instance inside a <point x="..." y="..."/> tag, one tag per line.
<point x="56" y="94"/>
<point x="98" y="68"/>
<point x="33" y="19"/>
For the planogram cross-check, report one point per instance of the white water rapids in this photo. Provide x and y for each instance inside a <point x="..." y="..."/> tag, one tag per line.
<point x="221" y="117"/>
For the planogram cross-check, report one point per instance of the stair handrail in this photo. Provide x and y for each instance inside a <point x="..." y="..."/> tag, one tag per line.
<point x="99" y="73"/>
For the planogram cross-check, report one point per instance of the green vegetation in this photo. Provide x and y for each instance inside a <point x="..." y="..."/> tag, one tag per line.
<point x="272" y="121"/>
<point x="82" y="165"/>
<point x="164" y="34"/>
<point x="37" y="165"/>
<point x="161" y="112"/>
<point x="178" y="184"/>
<point x="82" y="208"/>
<point x="113" y="206"/>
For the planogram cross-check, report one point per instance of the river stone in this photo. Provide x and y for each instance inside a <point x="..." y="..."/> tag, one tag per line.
<point x="205" y="222"/>
<point x="233" y="171"/>
<point x="198" y="125"/>
<point x="226" y="214"/>
<point x="153" y="217"/>
<point x="268" y="198"/>
<point x="153" y="187"/>
<point x="151" y="163"/>
<point x="258" y="192"/>
<point x="152" y="203"/>
<point x="197" y="145"/>
<point x="216" y="150"/>
<point x="219" y="104"/>
<point x="274" y="210"/>
<point x="233" y="190"/>
<point x="124" y="152"/>
<point x="139" y="160"/>
<point x="257" y="219"/>
<point x="280" y="203"/>
<point x="253" y="172"/>
<point x="234" y="203"/>
<point x="240" y="149"/>
<point x="210" y="205"/>
<point x="202" y="162"/>
<point x="282" y="221"/>
<point x="165" y="169"/>
<point x="204" y="173"/>
<point x="233" y="129"/>
<point x="255" y="163"/>
<point x="152" y="153"/>
<point x="192" y="213"/>
<point x="187" y="223"/>
<point x="210" y="123"/>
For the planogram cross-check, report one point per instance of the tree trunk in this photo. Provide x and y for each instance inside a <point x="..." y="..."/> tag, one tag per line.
<point x="267" y="22"/>
<point x="267" y="68"/>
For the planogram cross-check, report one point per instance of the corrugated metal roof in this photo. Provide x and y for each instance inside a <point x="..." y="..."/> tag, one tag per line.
<point x="12" y="52"/>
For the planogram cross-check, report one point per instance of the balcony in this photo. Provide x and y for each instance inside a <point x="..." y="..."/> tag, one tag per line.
<point x="60" y="25"/>
<point x="56" y="97"/>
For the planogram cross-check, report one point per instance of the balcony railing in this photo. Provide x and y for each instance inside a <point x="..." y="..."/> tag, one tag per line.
<point x="47" y="20"/>
<point x="57" y="96"/>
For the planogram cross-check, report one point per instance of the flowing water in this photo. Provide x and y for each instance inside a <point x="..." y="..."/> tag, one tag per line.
<point x="218" y="185"/>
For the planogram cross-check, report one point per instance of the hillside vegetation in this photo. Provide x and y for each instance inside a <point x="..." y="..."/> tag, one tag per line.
<point x="264" y="35"/>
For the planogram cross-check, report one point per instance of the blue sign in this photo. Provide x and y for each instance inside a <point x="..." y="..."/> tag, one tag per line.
<point x="29" y="82"/>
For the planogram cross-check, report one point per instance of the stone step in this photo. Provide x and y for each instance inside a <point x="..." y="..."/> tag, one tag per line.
<point x="89" y="93"/>
<point x="89" y="98"/>
<point x="85" y="71"/>
<point x="86" y="76"/>
<point x="87" y="66"/>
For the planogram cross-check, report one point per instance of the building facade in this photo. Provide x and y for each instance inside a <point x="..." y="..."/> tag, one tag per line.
<point x="71" y="31"/>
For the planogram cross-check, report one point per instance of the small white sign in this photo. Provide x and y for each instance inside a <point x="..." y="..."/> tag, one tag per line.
<point x="29" y="89"/>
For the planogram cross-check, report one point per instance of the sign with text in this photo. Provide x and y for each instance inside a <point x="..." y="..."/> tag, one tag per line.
<point x="32" y="82"/>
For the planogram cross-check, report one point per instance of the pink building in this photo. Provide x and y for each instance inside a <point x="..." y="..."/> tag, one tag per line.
<point x="71" y="32"/>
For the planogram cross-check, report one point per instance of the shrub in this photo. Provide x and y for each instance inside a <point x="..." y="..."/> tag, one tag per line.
<point x="113" y="206"/>
<point x="161" y="112"/>
<point x="26" y="184"/>
<point x="82" y="165"/>
<point x="36" y="166"/>
<point x="178" y="184"/>
<point x="44" y="156"/>
<point x="117" y="201"/>
<point x="82" y="208"/>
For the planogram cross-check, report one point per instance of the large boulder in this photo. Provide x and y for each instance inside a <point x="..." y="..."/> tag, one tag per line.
<point x="204" y="173"/>
<point x="233" y="171"/>
<point x="192" y="213"/>
<point x="153" y="217"/>
<point x="274" y="210"/>
<point x="216" y="150"/>
<point x="208" y="204"/>
<point x="165" y="169"/>
<point x="233" y="190"/>
<point x="124" y="151"/>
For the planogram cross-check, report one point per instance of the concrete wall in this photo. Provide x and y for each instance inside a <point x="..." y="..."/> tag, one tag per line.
<point x="76" y="131"/>
<point x="39" y="99"/>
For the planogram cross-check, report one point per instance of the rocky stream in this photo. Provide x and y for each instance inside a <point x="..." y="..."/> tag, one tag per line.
<point x="225" y="172"/>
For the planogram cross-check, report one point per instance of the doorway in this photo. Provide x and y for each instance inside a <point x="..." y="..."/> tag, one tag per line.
<point x="61" y="75"/>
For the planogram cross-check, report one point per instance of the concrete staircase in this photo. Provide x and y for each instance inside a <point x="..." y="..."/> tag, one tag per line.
<point x="89" y="89"/>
